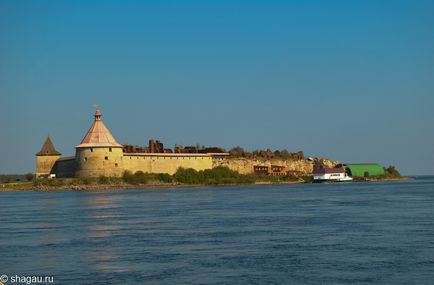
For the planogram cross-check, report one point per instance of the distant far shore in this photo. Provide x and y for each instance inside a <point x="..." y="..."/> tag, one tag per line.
<point x="31" y="186"/>
<point x="392" y="179"/>
<point x="385" y="179"/>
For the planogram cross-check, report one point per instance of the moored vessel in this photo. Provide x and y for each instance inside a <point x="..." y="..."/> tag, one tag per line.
<point x="336" y="174"/>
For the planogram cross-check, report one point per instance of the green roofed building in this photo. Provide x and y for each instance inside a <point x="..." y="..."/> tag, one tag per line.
<point x="359" y="169"/>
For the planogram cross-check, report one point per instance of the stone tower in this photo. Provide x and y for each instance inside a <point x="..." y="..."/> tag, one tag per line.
<point x="99" y="153"/>
<point x="46" y="158"/>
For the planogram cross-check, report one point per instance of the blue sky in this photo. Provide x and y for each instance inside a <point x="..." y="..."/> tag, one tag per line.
<point x="347" y="80"/>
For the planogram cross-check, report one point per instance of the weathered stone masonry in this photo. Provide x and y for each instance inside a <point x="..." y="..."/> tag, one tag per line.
<point x="100" y="154"/>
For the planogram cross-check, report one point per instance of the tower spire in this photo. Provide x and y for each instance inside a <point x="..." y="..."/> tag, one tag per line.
<point x="48" y="148"/>
<point x="98" y="134"/>
<point x="98" y="114"/>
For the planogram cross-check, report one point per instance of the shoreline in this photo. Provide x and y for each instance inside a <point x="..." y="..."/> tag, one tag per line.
<point x="28" y="186"/>
<point x="120" y="187"/>
<point x="389" y="179"/>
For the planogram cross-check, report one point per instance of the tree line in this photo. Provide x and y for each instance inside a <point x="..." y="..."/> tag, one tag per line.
<point x="284" y="154"/>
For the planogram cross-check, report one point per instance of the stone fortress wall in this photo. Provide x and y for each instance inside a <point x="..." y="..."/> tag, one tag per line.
<point x="115" y="164"/>
<point x="102" y="161"/>
<point x="166" y="163"/>
<point x="245" y="165"/>
<point x="99" y="154"/>
<point x="65" y="167"/>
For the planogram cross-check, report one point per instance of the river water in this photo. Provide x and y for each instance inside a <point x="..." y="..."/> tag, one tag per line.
<point x="286" y="234"/>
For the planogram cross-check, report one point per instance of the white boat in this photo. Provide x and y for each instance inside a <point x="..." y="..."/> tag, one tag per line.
<point x="331" y="175"/>
<point x="346" y="178"/>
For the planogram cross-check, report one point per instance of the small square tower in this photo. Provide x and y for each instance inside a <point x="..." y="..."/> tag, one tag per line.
<point x="46" y="158"/>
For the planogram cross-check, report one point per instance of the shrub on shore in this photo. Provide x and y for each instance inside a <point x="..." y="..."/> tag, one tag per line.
<point x="103" y="180"/>
<point x="57" y="182"/>
<point x="274" y="179"/>
<point x="307" y="178"/>
<point x="189" y="176"/>
<point x="214" y="176"/>
<point x="164" y="177"/>
<point x="30" y="176"/>
<point x="84" y="180"/>
<point x="137" y="178"/>
<point x="392" y="172"/>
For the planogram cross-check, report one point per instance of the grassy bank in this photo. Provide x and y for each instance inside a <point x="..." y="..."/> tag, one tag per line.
<point x="390" y="174"/>
<point x="182" y="178"/>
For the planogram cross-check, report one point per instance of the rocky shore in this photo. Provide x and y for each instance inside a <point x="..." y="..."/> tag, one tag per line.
<point x="122" y="186"/>
<point x="29" y="186"/>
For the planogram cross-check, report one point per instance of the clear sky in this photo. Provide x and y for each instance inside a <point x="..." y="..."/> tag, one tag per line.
<point x="347" y="80"/>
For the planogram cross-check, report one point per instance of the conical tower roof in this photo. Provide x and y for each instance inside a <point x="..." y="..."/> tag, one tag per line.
<point x="48" y="148"/>
<point x="98" y="135"/>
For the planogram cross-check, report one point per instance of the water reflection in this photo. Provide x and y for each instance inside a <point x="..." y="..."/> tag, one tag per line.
<point x="102" y="231"/>
<point x="47" y="227"/>
<point x="102" y="220"/>
<point x="303" y="234"/>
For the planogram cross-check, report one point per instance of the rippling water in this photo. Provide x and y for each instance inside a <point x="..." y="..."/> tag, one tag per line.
<point x="296" y="234"/>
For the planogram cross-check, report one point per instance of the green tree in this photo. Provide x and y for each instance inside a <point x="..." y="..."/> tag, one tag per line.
<point x="103" y="179"/>
<point x="284" y="154"/>
<point x="128" y="177"/>
<point x="391" y="171"/>
<point x="141" y="177"/>
<point x="29" y="176"/>
<point x="188" y="176"/>
<point x="237" y="151"/>
<point x="164" y="177"/>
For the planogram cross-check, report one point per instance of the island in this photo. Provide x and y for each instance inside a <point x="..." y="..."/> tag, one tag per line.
<point x="100" y="162"/>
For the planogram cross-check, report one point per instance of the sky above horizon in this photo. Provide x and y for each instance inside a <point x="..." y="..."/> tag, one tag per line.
<point x="346" y="80"/>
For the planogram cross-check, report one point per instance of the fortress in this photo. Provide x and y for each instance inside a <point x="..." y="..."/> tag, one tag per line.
<point x="100" y="154"/>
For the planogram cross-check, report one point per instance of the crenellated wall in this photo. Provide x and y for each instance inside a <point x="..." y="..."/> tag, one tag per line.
<point x="100" y="154"/>
<point x="94" y="162"/>
<point x="165" y="163"/>
<point x="112" y="162"/>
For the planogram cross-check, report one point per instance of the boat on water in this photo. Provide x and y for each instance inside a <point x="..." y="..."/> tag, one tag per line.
<point x="337" y="174"/>
<point x="346" y="178"/>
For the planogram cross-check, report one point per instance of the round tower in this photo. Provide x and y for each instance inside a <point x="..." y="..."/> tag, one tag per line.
<point x="99" y="153"/>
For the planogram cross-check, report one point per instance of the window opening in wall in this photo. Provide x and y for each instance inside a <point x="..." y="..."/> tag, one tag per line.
<point x="85" y="159"/>
<point x="91" y="149"/>
<point x="116" y="165"/>
<point x="106" y="158"/>
<point x="110" y="149"/>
